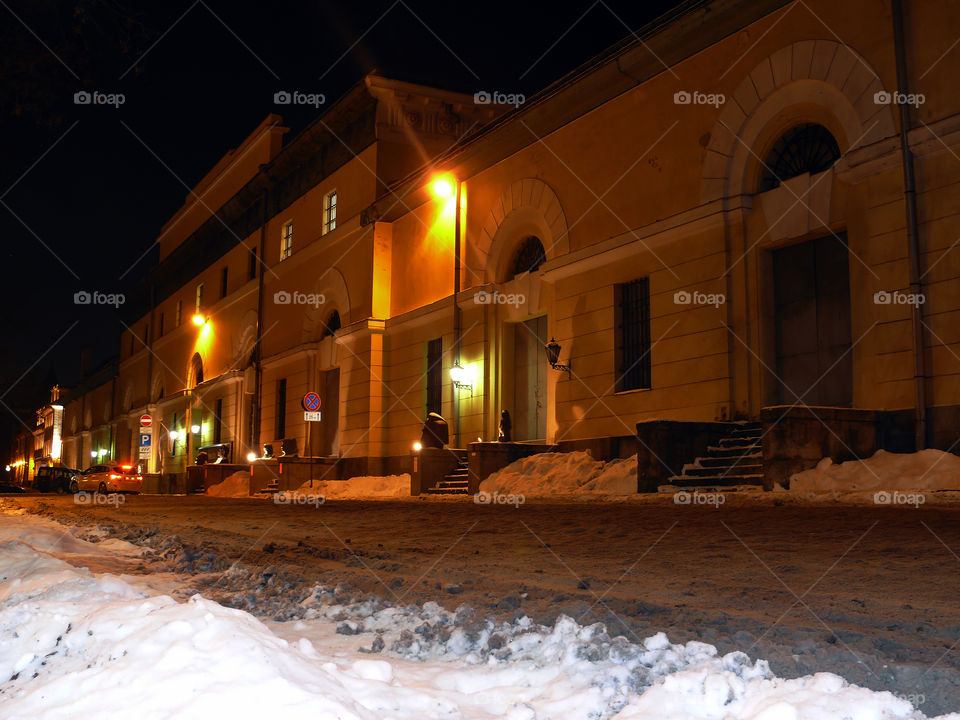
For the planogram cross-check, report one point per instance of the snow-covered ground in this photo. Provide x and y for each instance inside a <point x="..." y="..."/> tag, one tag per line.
<point x="74" y="643"/>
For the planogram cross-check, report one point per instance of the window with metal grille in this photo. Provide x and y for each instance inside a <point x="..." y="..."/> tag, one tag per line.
<point x="808" y="148"/>
<point x="281" y="409"/>
<point x="528" y="256"/>
<point x="435" y="375"/>
<point x="218" y="422"/>
<point x="331" y="325"/>
<point x="286" y="240"/>
<point x="633" y="335"/>
<point x="329" y="211"/>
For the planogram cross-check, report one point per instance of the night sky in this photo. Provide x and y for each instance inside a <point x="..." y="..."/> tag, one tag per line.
<point x="85" y="189"/>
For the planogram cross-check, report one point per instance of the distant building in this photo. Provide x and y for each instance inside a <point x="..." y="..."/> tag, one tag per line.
<point x="710" y="219"/>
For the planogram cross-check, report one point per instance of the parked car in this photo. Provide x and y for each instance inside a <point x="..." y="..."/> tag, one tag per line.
<point x="110" y="477"/>
<point x="54" y="479"/>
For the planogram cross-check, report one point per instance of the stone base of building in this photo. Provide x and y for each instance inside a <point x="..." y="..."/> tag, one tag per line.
<point x="797" y="438"/>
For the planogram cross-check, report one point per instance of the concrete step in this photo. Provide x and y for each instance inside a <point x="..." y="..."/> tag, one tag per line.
<point x="453" y="482"/>
<point x="727" y="461"/>
<point x="689" y="481"/>
<point x="732" y="450"/>
<point x="673" y="489"/>
<point x="447" y="491"/>
<point x="744" y="468"/>
<point x="739" y="440"/>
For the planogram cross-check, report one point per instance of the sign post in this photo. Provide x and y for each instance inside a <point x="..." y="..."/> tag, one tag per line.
<point x="311" y="413"/>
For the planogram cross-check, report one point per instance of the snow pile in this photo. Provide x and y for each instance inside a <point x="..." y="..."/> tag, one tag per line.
<point x="564" y="473"/>
<point x="927" y="470"/>
<point x="372" y="486"/>
<point x="76" y="644"/>
<point x="232" y="486"/>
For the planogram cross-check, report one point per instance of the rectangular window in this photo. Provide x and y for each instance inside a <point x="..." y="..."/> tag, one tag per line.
<point x="224" y="276"/>
<point x="252" y="269"/>
<point x="286" y="240"/>
<point x="218" y="422"/>
<point x="435" y="376"/>
<point x="199" y="297"/>
<point x="329" y="211"/>
<point x="160" y="327"/>
<point x="281" y="408"/>
<point x="179" y="312"/>
<point x="633" y="335"/>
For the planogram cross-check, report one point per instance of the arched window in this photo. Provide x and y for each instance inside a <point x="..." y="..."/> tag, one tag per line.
<point x="331" y="325"/>
<point x="528" y="256"/>
<point x="196" y="370"/>
<point x="808" y="148"/>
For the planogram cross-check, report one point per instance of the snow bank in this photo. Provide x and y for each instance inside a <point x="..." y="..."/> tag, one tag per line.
<point x="564" y="473"/>
<point x="371" y="486"/>
<point x="233" y="486"/>
<point x="76" y="644"/>
<point x="927" y="470"/>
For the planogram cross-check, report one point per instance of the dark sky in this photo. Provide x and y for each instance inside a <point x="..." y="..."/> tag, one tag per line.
<point x="85" y="189"/>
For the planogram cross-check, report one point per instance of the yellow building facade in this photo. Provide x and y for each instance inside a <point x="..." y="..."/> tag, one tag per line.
<point x="712" y="220"/>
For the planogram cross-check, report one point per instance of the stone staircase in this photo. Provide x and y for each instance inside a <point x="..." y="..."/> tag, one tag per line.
<point x="457" y="482"/>
<point x="736" y="460"/>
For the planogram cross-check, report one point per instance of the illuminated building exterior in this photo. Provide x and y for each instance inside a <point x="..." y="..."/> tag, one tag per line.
<point x="710" y="222"/>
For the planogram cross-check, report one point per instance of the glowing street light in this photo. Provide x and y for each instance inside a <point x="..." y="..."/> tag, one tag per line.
<point x="443" y="188"/>
<point x="199" y="320"/>
<point x="194" y="429"/>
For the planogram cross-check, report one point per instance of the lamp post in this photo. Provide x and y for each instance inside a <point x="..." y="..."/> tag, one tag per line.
<point x="445" y="188"/>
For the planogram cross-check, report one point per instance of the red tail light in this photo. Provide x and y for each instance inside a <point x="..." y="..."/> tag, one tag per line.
<point x="114" y="477"/>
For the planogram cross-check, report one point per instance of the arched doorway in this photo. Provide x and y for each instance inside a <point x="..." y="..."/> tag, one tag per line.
<point x="811" y="286"/>
<point x="527" y="357"/>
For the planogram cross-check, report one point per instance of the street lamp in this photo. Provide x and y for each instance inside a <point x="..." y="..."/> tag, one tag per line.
<point x="443" y="188"/>
<point x="553" y="356"/>
<point x="460" y="378"/>
<point x="199" y="319"/>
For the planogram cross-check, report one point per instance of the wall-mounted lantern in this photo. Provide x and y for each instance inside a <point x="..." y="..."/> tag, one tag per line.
<point x="459" y="376"/>
<point x="553" y="355"/>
